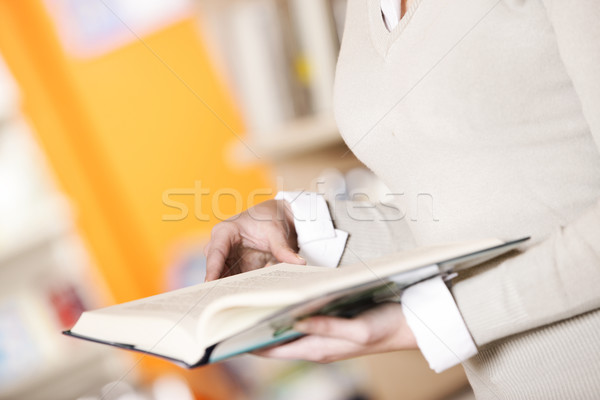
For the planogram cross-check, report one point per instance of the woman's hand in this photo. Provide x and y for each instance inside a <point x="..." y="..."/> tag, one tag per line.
<point x="257" y="237"/>
<point x="381" y="329"/>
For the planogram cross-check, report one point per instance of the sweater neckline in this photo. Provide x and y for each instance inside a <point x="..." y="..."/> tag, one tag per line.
<point x="382" y="38"/>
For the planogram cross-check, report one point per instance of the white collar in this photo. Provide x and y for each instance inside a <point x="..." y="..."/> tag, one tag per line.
<point x="391" y="13"/>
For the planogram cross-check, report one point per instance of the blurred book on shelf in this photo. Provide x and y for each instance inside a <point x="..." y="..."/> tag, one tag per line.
<point x="279" y="59"/>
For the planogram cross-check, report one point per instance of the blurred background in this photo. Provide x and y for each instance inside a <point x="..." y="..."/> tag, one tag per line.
<point x="128" y="128"/>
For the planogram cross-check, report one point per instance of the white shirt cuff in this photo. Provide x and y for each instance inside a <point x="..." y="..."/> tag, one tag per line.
<point x="319" y="242"/>
<point x="435" y="320"/>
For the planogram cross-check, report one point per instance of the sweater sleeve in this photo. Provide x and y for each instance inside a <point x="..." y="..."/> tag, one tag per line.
<point x="558" y="278"/>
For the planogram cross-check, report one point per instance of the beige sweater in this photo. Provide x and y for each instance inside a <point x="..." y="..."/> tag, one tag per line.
<point x="484" y="118"/>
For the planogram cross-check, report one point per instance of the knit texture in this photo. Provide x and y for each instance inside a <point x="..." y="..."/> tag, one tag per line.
<point x="483" y="118"/>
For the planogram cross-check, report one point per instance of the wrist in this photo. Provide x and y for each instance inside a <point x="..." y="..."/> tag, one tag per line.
<point x="407" y="339"/>
<point x="402" y="337"/>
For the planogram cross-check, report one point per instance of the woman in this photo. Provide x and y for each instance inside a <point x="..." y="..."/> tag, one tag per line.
<point x="492" y="109"/>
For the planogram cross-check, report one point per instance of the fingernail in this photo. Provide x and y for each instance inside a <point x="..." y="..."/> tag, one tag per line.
<point x="300" y="257"/>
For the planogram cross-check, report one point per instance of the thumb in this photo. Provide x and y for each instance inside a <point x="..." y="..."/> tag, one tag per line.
<point x="282" y="251"/>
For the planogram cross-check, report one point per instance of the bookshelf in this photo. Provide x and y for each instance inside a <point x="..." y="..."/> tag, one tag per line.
<point x="118" y="129"/>
<point x="32" y="239"/>
<point x="43" y="265"/>
<point x="299" y="137"/>
<point x="43" y="286"/>
<point x="87" y="370"/>
<point x="278" y="58"/>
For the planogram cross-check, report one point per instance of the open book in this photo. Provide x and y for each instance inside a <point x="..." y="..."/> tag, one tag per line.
<point x="216" y="320"/>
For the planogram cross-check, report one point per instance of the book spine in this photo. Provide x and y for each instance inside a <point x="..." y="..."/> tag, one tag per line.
<point x="259" y="66"/>
<point x="318" y="40"/>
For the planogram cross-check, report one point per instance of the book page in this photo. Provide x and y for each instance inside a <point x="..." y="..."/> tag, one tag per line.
<point x="167" y="323"/>
<point x="250" y="286"/>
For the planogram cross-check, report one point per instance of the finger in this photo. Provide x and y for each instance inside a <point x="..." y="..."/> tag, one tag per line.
<point x="296" y="350"/>
<point x="312" y="348"/>
<point x="216" y="256"/>
<point x="282" y="251"/>
<point x="231" y="269"/>
<point x="356" y="329"/>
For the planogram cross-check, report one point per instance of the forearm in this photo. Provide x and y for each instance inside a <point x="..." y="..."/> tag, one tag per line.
<point x="554" y="280"/>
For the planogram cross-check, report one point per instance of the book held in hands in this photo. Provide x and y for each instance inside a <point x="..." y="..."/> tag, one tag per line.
<point x="213" y="321"/>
